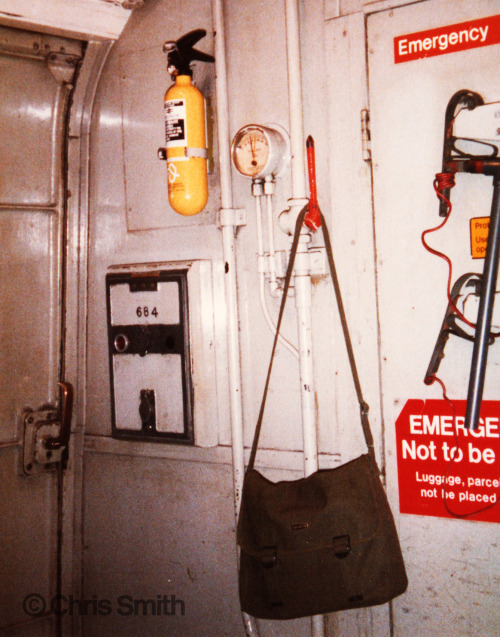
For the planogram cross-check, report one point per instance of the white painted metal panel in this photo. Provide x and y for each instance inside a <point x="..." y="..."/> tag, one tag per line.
<point x="453" y="566"/>
<point x="79" y="18"/>
<point x="351" y="227"/>
<point x="145" y="308"/>
<point x="32" y="119"/>
<point x="336" y="8"/>
<point x="27" y="152"/>
<point x="160" y="527"/>
<point x="205" y="318"/>
<point x="159" y="372"/>
<point x="26" y="365"/>
<point x="350" y="219"/>
<point x="143" y="83"/>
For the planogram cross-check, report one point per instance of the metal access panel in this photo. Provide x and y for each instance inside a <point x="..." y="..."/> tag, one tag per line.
<point x="151" y="386"/>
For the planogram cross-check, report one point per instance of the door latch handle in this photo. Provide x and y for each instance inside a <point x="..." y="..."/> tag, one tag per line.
<point x="46" y="434"/>
<point x="66" y="409"/>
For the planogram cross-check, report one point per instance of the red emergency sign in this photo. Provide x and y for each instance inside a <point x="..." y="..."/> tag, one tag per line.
<point x="447" y="39"/>
<point x="445" y="470"/>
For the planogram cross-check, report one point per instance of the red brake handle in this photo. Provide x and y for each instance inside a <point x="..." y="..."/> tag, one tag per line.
<point x="312" y="219"/>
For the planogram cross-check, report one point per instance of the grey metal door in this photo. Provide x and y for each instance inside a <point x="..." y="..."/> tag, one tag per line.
<point x="36" y="76"/>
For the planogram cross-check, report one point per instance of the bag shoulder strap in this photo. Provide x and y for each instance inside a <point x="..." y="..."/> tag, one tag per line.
<point x="333" y="272"/>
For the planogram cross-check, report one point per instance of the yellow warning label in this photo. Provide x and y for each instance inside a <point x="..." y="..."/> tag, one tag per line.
<point x="479" y="236"/>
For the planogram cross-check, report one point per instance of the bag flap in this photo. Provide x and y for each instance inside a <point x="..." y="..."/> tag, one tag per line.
<point x="311" y="513"/>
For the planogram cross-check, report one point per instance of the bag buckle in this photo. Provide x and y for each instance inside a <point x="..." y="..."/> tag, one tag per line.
<point x="270" y="557"/>
<point x="341" y="546"/>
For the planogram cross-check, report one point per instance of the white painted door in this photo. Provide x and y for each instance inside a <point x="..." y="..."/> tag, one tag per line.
<point x="36" y="73"/>
<point x="453" y="565"/>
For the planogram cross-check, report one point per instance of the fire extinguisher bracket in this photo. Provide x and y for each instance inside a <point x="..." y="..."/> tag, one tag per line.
<point x="196" y="152"/>
<point x="202" y="153"/>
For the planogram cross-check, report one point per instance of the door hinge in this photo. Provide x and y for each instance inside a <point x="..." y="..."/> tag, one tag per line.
<point x="366" y="146"/>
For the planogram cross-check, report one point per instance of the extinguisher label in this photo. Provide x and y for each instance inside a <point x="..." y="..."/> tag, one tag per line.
<point x="175" y="123"/>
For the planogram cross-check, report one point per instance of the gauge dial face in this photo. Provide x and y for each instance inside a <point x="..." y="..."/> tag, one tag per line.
<point x="250" y="151"/>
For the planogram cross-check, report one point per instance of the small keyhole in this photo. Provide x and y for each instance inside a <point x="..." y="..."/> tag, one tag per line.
<point x="121" y="343"/>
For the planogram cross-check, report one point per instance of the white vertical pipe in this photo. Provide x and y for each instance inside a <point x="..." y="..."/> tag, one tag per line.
<point x="233" y="344"/>
<point x="260" y="235"/>
<point x="295" y="99"/>
<point x="303" y="296"/>
<point x="228" y="247"/>
<point x="273" y="284"/>
<point x="226" y="188"/>
<point x="262" y="280"/>
<point x="302" y="264"/>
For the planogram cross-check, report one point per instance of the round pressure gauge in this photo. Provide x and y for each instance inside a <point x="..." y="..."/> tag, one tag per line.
<point x="260" y="151"/>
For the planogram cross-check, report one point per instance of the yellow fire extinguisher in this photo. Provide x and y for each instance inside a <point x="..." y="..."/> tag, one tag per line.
<point x="186" y="151"/>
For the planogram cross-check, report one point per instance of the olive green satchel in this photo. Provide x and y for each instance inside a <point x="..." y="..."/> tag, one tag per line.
<point x="322" y="543"/>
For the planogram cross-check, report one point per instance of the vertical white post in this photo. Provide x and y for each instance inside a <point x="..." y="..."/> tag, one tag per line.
<point x="302" y="260"/>
<point x="228" y="227"/>
<point x="295" y="100"/>
<point x="303" y="304"/>
<point x="228" y="248"/>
